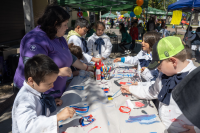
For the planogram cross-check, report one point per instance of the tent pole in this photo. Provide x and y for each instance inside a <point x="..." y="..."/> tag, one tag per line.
<point x="165" y="23"/>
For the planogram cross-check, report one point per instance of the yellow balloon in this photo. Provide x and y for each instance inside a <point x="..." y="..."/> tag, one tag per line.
<point x="137" y="10"/>
<point x="122" y="16"/>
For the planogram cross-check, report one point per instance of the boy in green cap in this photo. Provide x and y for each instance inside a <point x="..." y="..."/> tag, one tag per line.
<point x="170" y="58"/>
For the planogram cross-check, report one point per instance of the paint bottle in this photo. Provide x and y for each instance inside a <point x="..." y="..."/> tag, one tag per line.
<point x="102" y="75"/>
<point x="98" y="74"/>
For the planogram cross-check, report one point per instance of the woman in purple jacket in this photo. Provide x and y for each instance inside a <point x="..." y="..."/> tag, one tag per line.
<point x="47" y="38"/>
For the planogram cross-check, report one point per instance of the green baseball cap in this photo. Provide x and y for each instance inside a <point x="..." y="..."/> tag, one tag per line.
<point x="164" y="49"/>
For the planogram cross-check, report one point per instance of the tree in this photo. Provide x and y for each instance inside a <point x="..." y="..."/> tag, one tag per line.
<point x="160" y="4"/>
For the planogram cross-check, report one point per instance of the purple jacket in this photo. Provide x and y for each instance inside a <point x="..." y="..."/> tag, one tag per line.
<point x="37" y="42"/>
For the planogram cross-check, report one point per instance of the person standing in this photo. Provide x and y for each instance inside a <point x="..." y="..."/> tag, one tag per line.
<point x="47" y="38"/>
<point x="134" y="35"/>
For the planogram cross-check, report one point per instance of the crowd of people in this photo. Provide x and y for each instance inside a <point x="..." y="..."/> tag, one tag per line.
<point x="47" y="59"/>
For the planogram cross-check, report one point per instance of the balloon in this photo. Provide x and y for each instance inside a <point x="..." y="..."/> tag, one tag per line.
<point x="122" y="16"/>
<point x="132" y="14"/>
<point x="137" y="16"/>
<point x="140" y="2"/>
<point x="129" y="12"/>
<point x="85" y="14"/>
<point x="137" y="10"/>
<point x="79" y="14"/>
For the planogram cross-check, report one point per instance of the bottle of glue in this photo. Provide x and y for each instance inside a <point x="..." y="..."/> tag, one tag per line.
<point x="98" y="73"/>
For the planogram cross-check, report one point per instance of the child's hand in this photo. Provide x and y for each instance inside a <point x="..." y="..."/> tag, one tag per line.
<point x="103" y="58"/>
<point x="65" y="113"/>
<point x="125" y="89"/>
<point x="65" y="71"/>
<point x="97" y="59"/>
<point x="58" y="101"/>
<point x="142" y="69"/>
<point x="190" y="129"/>
<point x="117" y="60"/>
<point x="134" y="83"/>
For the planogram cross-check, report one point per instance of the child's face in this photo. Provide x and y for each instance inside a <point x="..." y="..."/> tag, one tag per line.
<point x="47" y="84"/>
<point x="168" y="66"/>
<point x="145" y="46"/>
<point x="99" y="30"/>
<point x="81" y="31"/>
<point x="62" y="29"/>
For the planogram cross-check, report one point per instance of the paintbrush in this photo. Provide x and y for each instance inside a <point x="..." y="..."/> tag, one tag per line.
<point x="83" y="117"/>
<point x="116" y="92"/>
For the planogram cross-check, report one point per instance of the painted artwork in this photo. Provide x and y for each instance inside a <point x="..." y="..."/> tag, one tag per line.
<point x="81" y="109"/>
<point x="143" y="119"/>
<point x="87" y="120"/>
<point x="78" y="87"/>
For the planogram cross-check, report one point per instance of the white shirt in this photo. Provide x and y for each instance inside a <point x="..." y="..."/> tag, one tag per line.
<point x="77" y="41"/>
<point x="146" y="74"/>
<point x="171" y="115"/>
<point x="105" y="49"/>
<point x="27" y="113"/>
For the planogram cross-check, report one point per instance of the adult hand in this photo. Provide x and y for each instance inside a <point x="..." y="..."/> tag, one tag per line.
<point x="125" y="89"/>
<point x="65" y="71"/>
<point x="91" y="68"/>
<point x="117" y="60"/>
<point x="190" y="129"/>
<point x="58" y="101"/>
<point x="65" y="113"/>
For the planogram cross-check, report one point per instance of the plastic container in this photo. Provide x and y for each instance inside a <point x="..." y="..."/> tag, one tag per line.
<point x="98" y="74"/>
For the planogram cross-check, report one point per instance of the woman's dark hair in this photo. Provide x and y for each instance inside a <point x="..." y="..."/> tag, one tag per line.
<point x="151" y="38"/>
<point x="122" y="28"/>
<point x="99" y="23"/>
<point x="53" y="17"/>
<point x="38" y="67"/>
<point x="76" y="50"/>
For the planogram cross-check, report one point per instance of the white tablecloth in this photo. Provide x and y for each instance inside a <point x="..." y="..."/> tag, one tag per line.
<point x="87" y="96"/>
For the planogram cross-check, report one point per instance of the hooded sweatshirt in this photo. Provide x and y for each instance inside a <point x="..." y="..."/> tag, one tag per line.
<point x="74" y="37"/>
<point x="105" y="49"/>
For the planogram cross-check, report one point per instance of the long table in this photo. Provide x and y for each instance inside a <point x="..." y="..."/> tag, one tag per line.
<point x="123" y="114"/>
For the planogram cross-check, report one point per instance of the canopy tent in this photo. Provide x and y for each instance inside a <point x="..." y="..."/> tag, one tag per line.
<point x="102" y="5"/>
<point x="126" y="15"/>
<point x="109" y="15"/>
<point x="155" y="11"/>
<point x="185" y="5"/>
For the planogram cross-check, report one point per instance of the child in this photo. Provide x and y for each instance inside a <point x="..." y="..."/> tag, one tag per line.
<point x="99" y="44"/>
<point x="169" y="56"/>
<point x="76" y="37"/>
<point x="126" y="38"/>
<point x="76" y="51"/>
<point x="134" y="34"/>
<point x="31" y="108"/>
<point x="90" y="31"/>
<point x="140" y="30"/>
<point x="166" y="32"/>
<point x="144" y="57"/>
